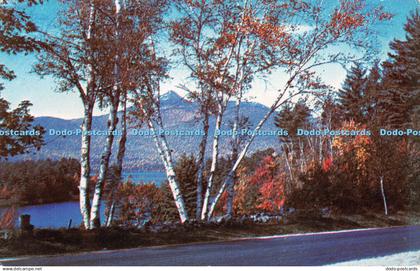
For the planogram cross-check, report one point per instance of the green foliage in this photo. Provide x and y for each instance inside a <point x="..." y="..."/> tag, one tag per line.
<point x="186" y="173"/>
<point x="18" y="133"/>
<point x="401" y="76"/>
<point x="352" y="96"/>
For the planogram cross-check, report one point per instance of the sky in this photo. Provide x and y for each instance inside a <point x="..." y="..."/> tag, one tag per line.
<point x="47" y="102"/>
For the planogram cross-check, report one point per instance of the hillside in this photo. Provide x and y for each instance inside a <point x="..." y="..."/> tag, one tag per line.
<point x="178" y="114"/>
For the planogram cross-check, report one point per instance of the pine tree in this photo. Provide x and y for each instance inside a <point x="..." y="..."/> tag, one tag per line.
<point x="351" y="96"/>
<point x="186" y="171"/>
<point x="402" y="77"/>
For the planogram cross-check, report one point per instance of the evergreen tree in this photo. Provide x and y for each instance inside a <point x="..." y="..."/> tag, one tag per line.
<point x="351" y="96"/>
<point x="186" y="172"/>
<point x="292" y="118"/>
<point x="401" y="98"/>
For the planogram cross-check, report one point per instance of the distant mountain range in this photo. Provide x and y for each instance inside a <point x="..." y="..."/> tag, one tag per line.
<point x="178" y="114"/>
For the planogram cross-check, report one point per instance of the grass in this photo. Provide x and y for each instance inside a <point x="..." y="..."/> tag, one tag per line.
<point x="56" y="241"/>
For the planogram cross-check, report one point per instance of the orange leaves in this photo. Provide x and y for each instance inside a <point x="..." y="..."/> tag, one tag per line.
<point x="269" y="184"/>
<point x="385" y="16"/>
<point x="265" y="29"/>
<point x="358" y="145"/>
<point x="345" y="20"/>
<point x="182" y="32"/>
<point x="352" y="15"/>
<point x="264" y="190"/>
<point x="349" y="16"/>
<point x="272" y="194"/>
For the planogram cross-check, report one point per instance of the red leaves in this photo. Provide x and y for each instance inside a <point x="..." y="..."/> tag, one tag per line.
<point x="343" y="21"/>
<point x="352" y="15"/>
<point x="270" y="185"/>
<point x="182" y="32"/>
<point x="326" y="164"/>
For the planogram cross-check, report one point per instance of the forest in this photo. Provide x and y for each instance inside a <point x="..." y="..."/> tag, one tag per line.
<point x="110" y="54"/>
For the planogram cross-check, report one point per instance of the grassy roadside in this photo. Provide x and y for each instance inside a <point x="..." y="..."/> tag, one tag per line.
<point x="48" y="241"/>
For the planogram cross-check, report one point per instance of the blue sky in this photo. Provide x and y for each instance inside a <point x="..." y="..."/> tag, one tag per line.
<point x="47" y="102"/>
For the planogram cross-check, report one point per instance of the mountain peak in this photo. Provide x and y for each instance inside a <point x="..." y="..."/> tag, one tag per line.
<point x="171" y="96"/>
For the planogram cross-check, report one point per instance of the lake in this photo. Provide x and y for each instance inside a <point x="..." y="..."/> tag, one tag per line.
<point x="57" y="215"/>
<point x="145" y="176"/>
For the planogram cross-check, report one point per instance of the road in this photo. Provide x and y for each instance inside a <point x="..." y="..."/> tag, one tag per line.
<point x="306" y="249"/>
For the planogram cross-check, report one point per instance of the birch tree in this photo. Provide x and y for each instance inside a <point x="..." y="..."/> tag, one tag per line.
<point x="128" y="25"/>
<point x="147" y="104"/>
<point x="71" y="58"/>
<point x="225" y="44"/>
<point x="112" y="96"/>
<point x="349" y="24"/>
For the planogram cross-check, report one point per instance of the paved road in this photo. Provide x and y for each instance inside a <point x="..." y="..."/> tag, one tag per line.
<point x="307" y="249"/>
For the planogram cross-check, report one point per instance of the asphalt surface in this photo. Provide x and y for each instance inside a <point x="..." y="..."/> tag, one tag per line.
<point x="307" y="249"/>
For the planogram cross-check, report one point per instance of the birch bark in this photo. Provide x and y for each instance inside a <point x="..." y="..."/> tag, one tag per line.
<point x="201" y="166"/>
<point x="214" y="160"/>
<point x="88" y="99"/>
<point x="114" y="98"/>
<point x="84" y="200"/>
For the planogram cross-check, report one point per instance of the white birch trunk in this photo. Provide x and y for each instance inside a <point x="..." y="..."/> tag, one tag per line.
<point x="112" y="123"/>
<point x="110" y="217"/>
<point x="85" y="166"/>
<point x="215" y="156"/>
<point x="286" y="158"/>
<point x="235" y="148"/>
<point x="103" y="167"/>
<point x="88" y="102"/>
<point x="165" y="155"/>
<point x="120" y="159"/>
<point x="201" y="166"/>
<point x="383" y="196"/>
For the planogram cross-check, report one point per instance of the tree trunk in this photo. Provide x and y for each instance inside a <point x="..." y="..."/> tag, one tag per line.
<point x="120" y="160"/>
<point x="110" y="217"/>
<point x="235" y="149"/>
<point x="88" y="102"/>
<point x="114" y="97"/>
<point x="104" y="166"/>
<point x="215" y="156"/>
<point x="201" y="166"/>
<point x="383" y="196"/>
<point x="85" y="166"/>
<point x="165" y="155"/>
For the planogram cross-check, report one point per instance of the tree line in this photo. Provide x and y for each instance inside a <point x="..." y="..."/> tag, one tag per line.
<point x="39" y="182"/>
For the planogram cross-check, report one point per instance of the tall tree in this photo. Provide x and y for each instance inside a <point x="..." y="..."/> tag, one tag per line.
<point x="401" y="76"/>
<point x="350" y="23"/>
<point x="352" y="96"/>
<point x="18" y="133"/>
<point x="72" y="58"/>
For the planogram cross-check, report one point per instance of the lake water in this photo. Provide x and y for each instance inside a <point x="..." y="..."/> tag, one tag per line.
<point x="145" y="176"/>
<point x="57" y="215"/>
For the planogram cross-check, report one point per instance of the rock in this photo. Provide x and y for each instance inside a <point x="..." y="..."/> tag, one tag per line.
<point x="326" y="212"/>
